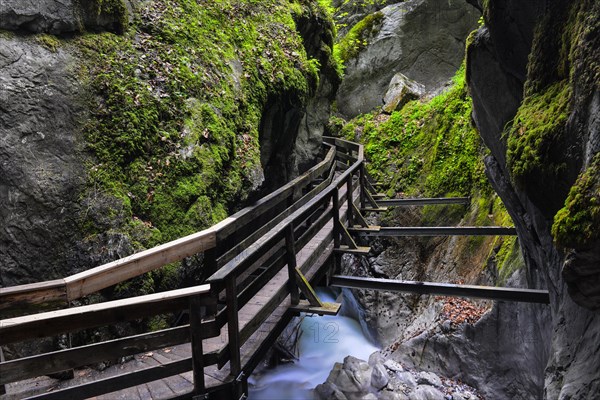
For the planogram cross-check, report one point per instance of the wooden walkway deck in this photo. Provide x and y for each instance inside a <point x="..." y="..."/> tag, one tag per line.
<point x="310" y="259"/>
<point x="260" y="258"/>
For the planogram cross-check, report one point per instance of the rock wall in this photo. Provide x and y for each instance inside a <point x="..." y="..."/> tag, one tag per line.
<point x="104" y="135"/>
<point x="524" y="51"/>
<point x="422" y="39"/>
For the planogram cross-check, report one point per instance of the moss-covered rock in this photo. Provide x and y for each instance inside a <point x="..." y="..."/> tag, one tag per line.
<point x="577" y="224"/>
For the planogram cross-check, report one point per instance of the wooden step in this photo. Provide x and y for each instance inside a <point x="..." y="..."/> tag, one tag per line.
<point x="361" y="250"/>
<point x="327" y="309"/>
<point x="379" y="196"/>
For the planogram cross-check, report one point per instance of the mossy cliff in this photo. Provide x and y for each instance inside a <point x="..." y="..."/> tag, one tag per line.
<point x="534" y="73"/>
<point x="181" y="109"/>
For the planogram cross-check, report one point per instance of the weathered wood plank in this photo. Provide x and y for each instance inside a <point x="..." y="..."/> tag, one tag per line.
<point x="326" y="309"/>
<point x="35" y="296"/>
<point x="90" y="316"/>
<point x="119" y="382"/>
<point x="307" y="289"/>
<point x="106" y="275"/>
<point x="30" y="367"/>
<point x="445" y="289"/>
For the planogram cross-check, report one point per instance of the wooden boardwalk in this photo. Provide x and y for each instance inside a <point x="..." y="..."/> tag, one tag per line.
<point x="262" y="259"/>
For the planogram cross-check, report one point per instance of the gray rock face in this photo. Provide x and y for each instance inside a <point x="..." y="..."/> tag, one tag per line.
<point x="59" y="16"/>
<point x="497" y="65"/>
<point x="41" y="164"/>
<point x="291" y="131"/>
<point x="503" y="355"/>
<point x="422" y="39"/>
<point x="423" y="392"/>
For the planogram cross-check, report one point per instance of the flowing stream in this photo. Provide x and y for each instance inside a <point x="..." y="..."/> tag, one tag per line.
<point x="323" y="342"/>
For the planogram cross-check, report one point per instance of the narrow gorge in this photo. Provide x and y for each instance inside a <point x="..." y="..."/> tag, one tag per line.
<point x="129" y="124"/>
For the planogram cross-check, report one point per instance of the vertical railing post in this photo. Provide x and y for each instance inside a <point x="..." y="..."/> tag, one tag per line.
<point x="349" y="196"/>
<point x="335" y="211"/>
<point x="290" y="251"/>
<point x="197" y="351"/>
<point x="363" y="187"/>
<point x="2" y="387"/>
<point x="210" y="265"/>
<point x="235" y="363"/>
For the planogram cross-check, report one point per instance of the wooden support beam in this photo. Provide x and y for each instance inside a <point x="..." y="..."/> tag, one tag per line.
<point x="371" y="200"/>
<point x="370" y="228"/>
<point x="423" y="201"/>
<point x="197" y="351"/>
<point x="347" y="238"/>
<point x="307" y="289"/>
<point x="440" y="231"/>
<point x="359" y="250"/>
<point x="359" y="217"/>
<point x="326" y="309"/>
<point x="374" y="210"/>
<point x="445" y="289"/>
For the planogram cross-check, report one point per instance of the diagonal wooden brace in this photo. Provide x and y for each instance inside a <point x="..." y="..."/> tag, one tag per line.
<point x="359" y="217"/>
<point x="307" y="290"/>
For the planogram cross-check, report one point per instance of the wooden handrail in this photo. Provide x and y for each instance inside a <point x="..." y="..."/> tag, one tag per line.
<point x="53" y="322"/>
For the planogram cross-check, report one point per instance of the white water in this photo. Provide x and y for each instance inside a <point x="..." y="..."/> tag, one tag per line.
<point x="324" y="341"/>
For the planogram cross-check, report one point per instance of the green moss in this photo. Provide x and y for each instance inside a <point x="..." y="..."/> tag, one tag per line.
<point x="357" y="38"/>
<point x="538" y="126"/>
<point x="509" y="259"/>
<point x="51" y="42"/>
<point x="577" y="225"/>
<point x="176" y="105"/>
<point x="426" y="148"/>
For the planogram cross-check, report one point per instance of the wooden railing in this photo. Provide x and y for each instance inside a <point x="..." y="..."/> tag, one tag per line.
<point x="58" y="293"/>
<point x="242" y="254"/>
<point x="246" y="251"/>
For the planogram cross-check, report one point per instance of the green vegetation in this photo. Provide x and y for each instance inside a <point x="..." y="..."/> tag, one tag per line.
<point x="430" y="149"/>
<point x="51" y="42"/>
<point x="538" y="125"/>
<point x="427" y="148"/>
<point x="357" y="38"/>
<point x="577" y="224"/>
<point x="175" y="135"/>
<point x="175" y="104"/>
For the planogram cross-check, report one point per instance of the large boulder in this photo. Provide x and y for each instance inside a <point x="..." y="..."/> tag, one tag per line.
<point x="422" y="39"/>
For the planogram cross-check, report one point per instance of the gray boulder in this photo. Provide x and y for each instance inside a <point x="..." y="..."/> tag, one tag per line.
<point x="422" y="39"/>
<point x="379" y="377"/>
<point x="401" y="91"/>
<point x="328" y="391"/>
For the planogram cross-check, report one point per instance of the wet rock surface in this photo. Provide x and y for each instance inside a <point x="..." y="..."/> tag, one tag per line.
<point x="422" y="39"/>
<point x="354" y="379"/>
<point x="41" y="161"/>
<point x="498" y="63"/>
<point x="62" y="16"/>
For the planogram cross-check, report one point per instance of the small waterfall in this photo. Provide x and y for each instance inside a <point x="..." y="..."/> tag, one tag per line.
<point x="323" y="342"/>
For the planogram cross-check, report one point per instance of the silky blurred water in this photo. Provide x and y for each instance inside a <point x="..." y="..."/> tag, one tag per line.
<point x="324" y="341"/>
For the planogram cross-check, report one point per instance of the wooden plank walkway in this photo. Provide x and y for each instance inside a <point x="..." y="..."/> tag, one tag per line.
<point x="310" y="260"/>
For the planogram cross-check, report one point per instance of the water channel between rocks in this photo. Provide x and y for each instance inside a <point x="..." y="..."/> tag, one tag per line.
<point x="323" y="342"/>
